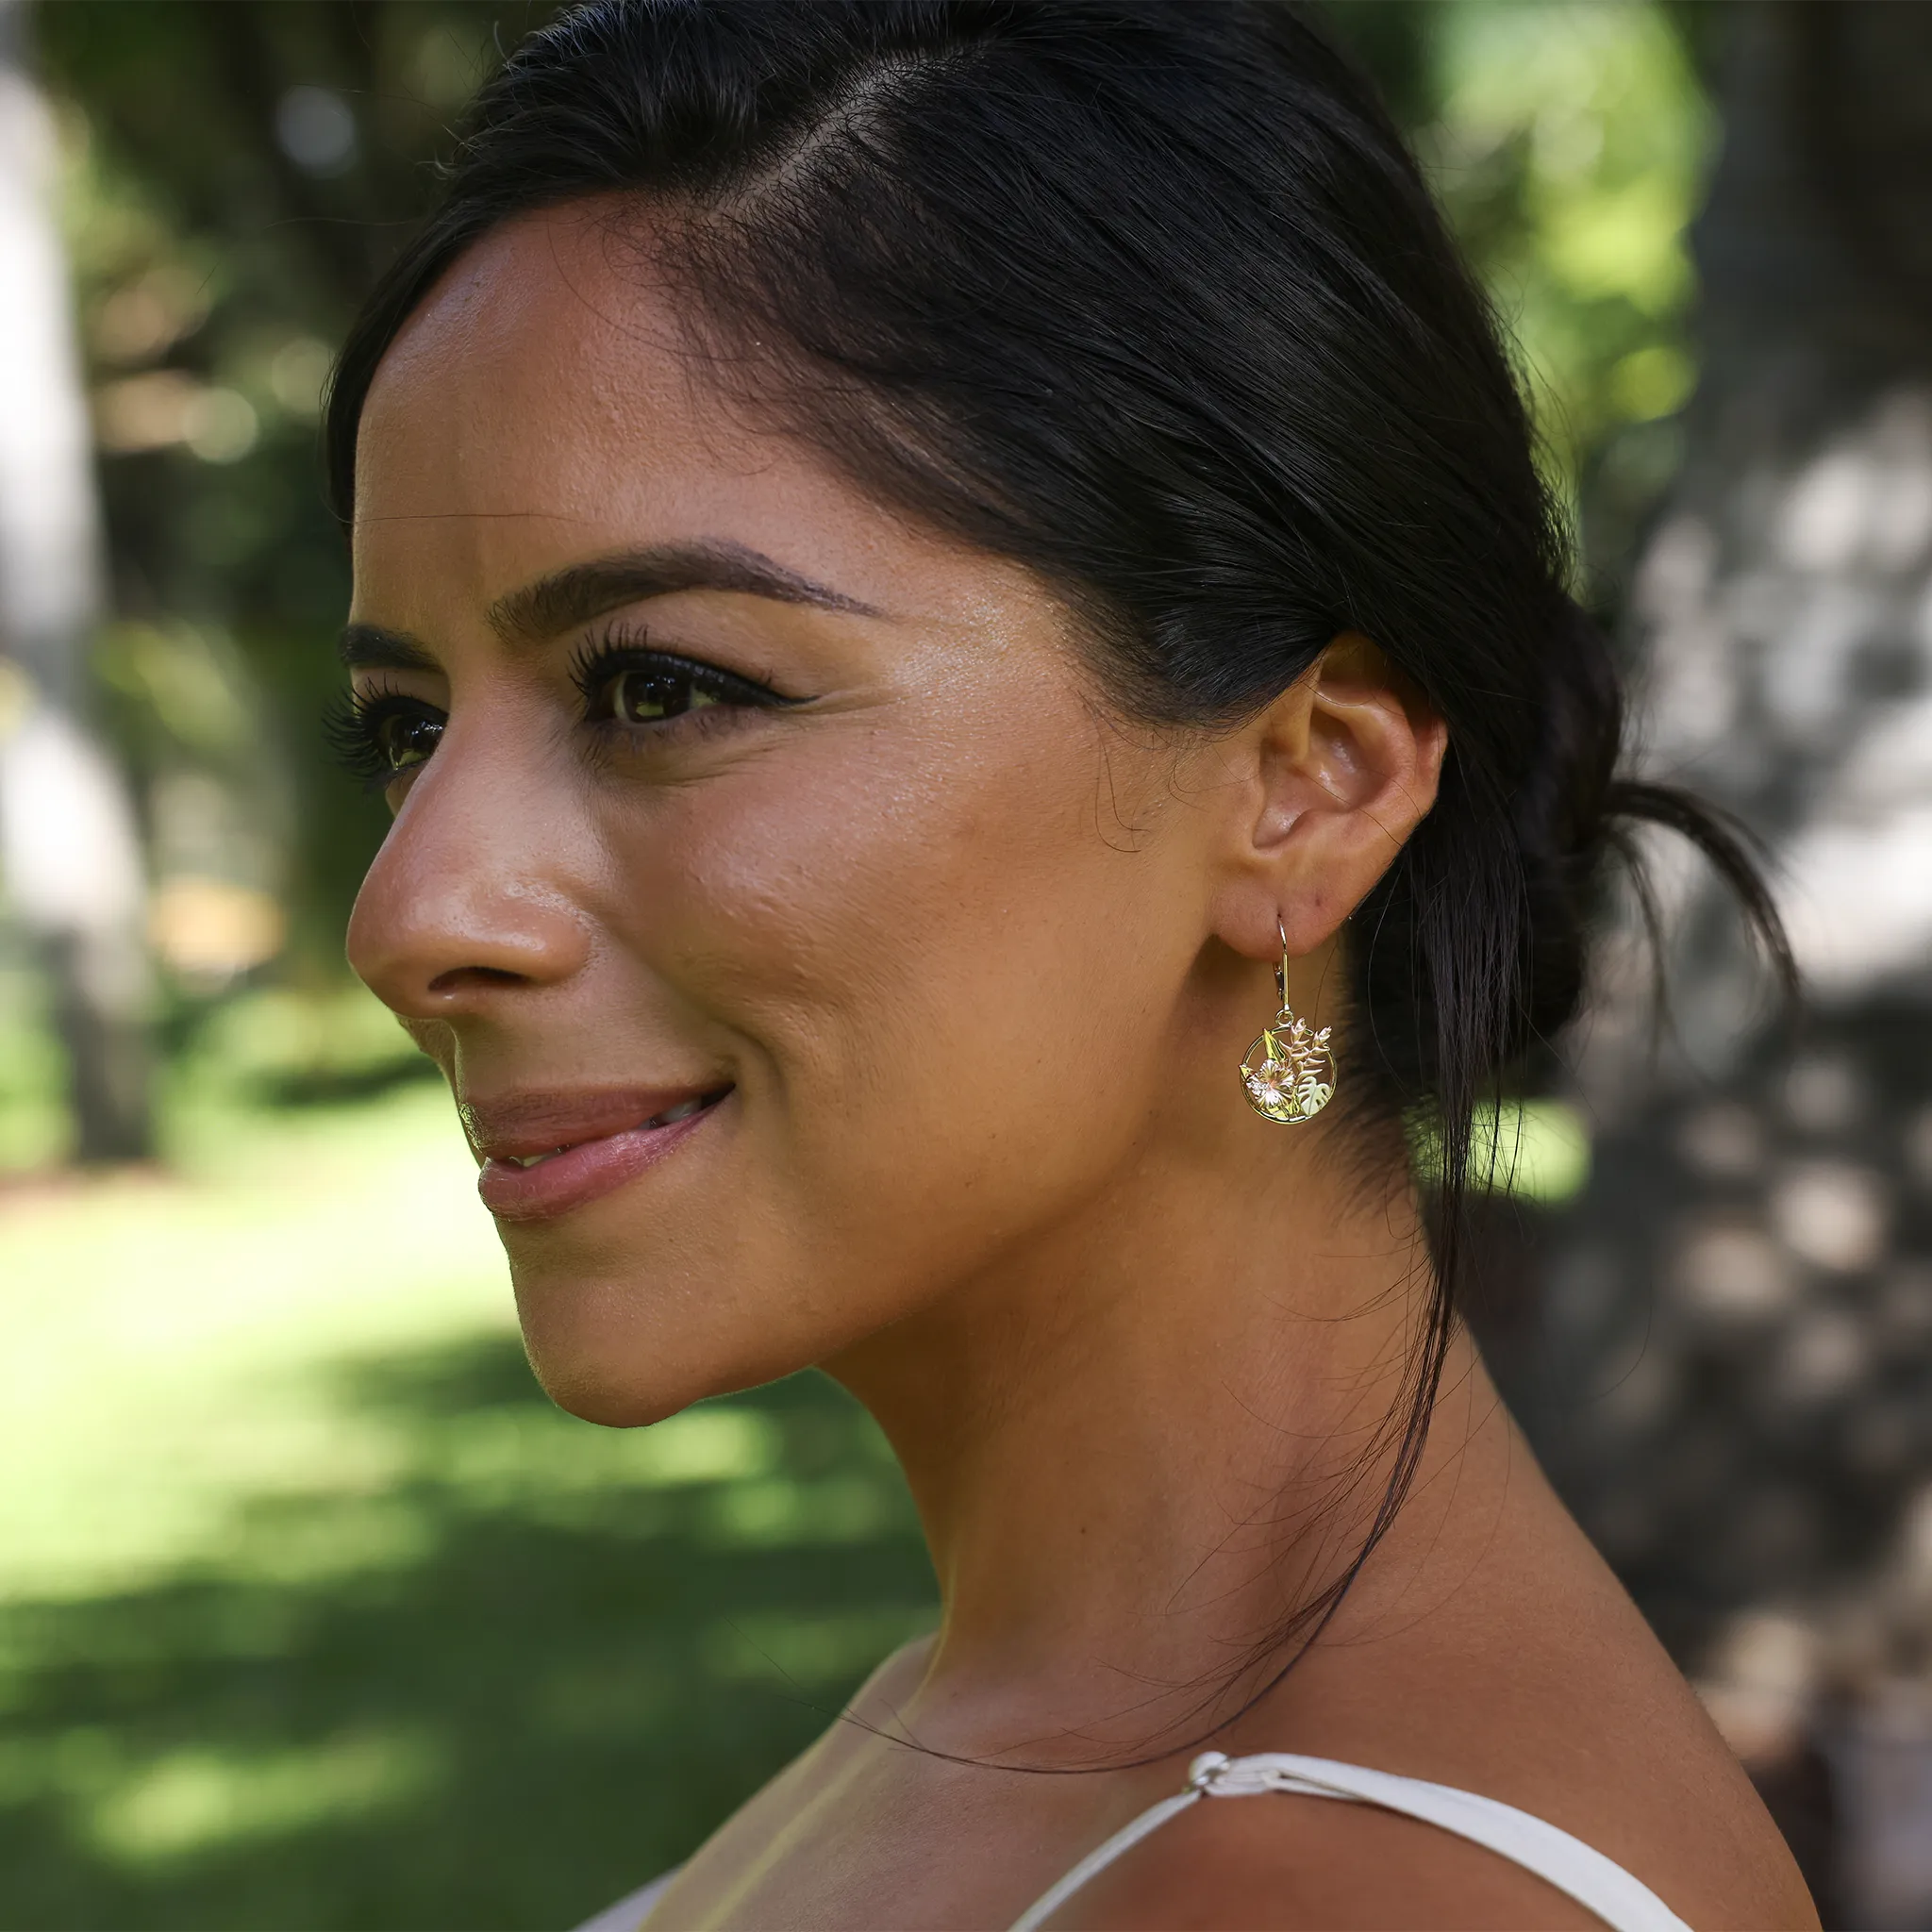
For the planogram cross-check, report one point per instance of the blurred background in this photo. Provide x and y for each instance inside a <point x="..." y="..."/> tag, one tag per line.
<point x="313" y="1612"/>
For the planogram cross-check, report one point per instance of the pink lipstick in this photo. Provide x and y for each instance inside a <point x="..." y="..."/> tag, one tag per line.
<point x="545" y="1153"/>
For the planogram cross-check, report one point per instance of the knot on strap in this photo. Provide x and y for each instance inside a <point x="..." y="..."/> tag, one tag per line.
<point x="1215" y="1775"/>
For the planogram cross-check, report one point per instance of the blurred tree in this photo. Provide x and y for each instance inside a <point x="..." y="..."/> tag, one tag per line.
<point x="1734" y="1379"/>
<point x="224" y="227"/>
<point x="69" y="859"/>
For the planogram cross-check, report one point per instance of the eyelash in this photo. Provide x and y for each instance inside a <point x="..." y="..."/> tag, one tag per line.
<point x="354" y="725"/>
<point x="351" y="727"/>
<point x="598" y="663"/>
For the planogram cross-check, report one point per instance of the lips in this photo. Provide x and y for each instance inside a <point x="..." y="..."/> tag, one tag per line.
<point x="543" y="1154"/>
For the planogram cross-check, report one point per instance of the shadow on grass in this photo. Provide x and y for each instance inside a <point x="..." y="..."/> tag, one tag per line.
<point x="481" y="1693"/>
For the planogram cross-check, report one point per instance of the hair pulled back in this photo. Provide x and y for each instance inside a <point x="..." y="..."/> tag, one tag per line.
<point x="1147" y="296"/>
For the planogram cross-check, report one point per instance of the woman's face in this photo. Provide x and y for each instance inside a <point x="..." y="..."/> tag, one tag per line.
<point x="768" y="855"/>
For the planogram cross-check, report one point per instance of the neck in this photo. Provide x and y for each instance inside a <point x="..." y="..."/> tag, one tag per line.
<point x="1140" y="1447"/>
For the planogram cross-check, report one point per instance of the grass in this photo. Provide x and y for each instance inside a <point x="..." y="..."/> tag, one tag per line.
<point x="314" y="1613"/>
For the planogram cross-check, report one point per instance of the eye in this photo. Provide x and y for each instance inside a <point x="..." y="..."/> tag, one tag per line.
<point x="378" y="736"/>
<point x="649" y="697"/>
<point x="629" y="685"/>
<point x="405" y="736"/>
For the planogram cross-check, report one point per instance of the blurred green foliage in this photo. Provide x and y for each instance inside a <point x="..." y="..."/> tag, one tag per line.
<point x="1569" y="143"/>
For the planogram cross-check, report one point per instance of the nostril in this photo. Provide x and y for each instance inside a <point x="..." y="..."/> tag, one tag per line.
<point x="460" y="978"/>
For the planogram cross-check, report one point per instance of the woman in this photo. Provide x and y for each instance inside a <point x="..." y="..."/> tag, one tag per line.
<point x="908" y="555"/>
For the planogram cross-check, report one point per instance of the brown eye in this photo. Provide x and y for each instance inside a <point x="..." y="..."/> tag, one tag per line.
<point x="405" y="738"/>
<point x="635" y="688"/>
<point x="648" y="697"/>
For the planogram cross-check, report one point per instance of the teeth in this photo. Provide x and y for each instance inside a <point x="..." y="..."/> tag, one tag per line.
<point x="682" y="1112"/>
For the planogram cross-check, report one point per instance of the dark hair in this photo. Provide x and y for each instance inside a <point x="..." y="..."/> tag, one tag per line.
<point x="1149" y="296"/>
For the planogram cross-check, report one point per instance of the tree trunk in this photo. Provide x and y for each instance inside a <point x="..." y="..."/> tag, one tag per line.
<point x="69" y="859"/>
<point x="1732" y="1381"/>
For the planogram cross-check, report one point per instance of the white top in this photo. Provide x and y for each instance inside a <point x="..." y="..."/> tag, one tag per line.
<point x="1569" y="1864"/>
<point x="1566" y="1862"/>
<point x="633" y="1908"/>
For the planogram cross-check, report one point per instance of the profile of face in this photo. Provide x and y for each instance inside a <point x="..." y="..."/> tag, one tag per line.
<point x="807" y="940"/>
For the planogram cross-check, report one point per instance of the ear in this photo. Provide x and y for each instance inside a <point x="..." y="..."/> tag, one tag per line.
<point x="1331" y="781"/>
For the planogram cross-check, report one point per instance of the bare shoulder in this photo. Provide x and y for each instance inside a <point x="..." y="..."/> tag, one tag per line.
<point x="749" y="1830"/>
<point x="1281" y="1863"/>
<point x="1533" y="1682"/>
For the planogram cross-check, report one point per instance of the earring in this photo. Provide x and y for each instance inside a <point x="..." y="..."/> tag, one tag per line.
<point x="1289" y="1075"/>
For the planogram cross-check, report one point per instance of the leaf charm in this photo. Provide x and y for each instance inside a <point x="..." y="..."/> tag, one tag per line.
<point x="1289" y="1075"/>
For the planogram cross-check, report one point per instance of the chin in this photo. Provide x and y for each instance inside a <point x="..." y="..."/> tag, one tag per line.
<point x="580" y="1389"/>
<point x="624" y="1352"/>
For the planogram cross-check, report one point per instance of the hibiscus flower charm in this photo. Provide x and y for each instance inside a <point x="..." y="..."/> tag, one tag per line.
<point x="1289" y="1075"/>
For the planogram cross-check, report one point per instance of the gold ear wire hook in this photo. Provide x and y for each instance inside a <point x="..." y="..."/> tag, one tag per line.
<point x="1288" y="1075"/>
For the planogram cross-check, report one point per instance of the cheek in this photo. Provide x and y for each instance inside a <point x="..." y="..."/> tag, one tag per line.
<point x="940" y="990"/>
<point x="915" y="961"/>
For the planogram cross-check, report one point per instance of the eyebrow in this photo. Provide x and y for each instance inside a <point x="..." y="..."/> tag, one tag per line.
<point x="574" y="595"/>
<point x="373" y="647"/>
<point x="583" y="590"/>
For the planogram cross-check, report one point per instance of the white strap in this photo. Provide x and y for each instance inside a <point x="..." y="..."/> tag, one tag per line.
<point x="629" y="1913"/>
<point x="1043" y="1908"/>
<point x="1592" y="1880"/>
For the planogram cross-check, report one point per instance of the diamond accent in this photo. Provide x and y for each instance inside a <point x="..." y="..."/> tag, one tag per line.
<point x="1289" y="1075"/>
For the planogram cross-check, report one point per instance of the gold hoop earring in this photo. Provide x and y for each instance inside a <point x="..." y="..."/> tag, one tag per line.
<point x="1289" y="1075"/>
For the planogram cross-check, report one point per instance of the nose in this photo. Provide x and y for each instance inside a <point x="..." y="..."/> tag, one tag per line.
<point x="466" y="903"/>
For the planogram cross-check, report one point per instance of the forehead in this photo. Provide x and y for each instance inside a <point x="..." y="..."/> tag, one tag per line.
<point x="545" y="405"/>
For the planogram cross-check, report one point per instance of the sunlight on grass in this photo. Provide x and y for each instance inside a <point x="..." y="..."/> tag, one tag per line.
<point x="203" y="1329"/>
<point x="506" y="1458"/>
<point x="314" y="1609"/>
<point x="172" y="1340"/>
<point x="191" y="1800"/>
